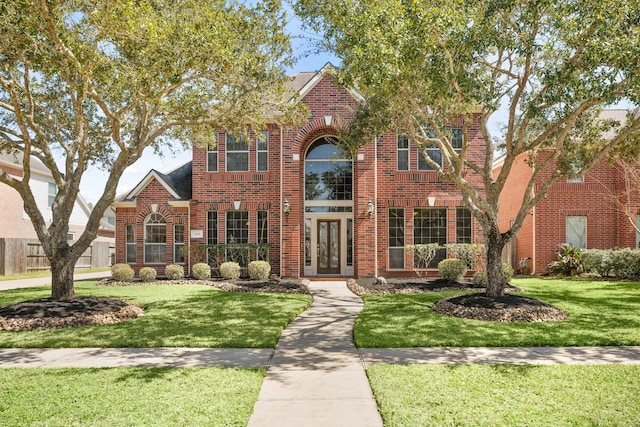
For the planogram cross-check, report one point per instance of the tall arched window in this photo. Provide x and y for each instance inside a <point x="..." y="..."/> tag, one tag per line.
<point x="328" y="174"/>
<point x="155" y="239"/>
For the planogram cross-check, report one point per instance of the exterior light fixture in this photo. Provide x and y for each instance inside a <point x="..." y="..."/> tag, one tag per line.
<point x="286" y="207"/>
<point x="370" y="210"/>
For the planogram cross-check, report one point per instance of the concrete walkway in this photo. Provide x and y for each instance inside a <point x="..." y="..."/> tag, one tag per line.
<point x="316" y="377"/>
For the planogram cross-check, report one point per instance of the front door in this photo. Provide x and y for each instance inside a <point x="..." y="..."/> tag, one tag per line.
<point x="328" y="247"/>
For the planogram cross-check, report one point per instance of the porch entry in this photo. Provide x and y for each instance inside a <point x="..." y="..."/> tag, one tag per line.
<point x="328" y="210"/>
<point x="328" y="246"/>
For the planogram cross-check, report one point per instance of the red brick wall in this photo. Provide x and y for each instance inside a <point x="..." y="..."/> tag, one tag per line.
<point x="510" y="203"/>
<point x="330" y="107"/>
<point x="601" y="198"/>
<point x="154" y="193"/>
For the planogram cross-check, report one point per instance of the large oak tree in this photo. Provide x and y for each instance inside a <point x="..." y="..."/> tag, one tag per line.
<point x="550" y="65"/>
<point x="93" y="83"/>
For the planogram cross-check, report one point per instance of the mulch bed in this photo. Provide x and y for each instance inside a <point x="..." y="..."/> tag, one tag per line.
<point x="280" y="287"/>
<point x="46" y="313"/>
<point x="509" y="308"/>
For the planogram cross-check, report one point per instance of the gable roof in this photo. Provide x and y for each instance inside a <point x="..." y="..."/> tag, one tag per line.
<point x="302" y="83"/>
<point x="177" y="182"/>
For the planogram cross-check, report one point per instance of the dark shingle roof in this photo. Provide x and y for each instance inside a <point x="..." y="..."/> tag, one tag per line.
<point x="179" y="180"/>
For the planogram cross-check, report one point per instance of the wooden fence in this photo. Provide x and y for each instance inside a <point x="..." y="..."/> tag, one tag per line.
<point x="27" y="255"/>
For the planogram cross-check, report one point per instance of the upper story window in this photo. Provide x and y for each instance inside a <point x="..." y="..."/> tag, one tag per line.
<point x="212" y="158"/>
<point x="51" y="193"/>
<point x="403" y="153"/>
<point x="262" y="151"/>
<point x="237" y="153"/>
<point x="327" y="175"/>
<point x="433" y="152"/>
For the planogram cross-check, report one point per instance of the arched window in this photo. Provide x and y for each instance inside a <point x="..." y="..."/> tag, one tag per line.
<point x="155" y="239"/>
<point x="328" y="175"/>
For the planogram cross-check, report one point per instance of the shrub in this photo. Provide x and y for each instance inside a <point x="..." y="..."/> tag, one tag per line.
<point x="174" y="271"/>
<point x="122" y="272"/>
<point x="259" y="270"/>
<point x="480" y="277"/>
<point x="471" y="254"/>
<point x="422" y="256"/>
<point x="452" y="269"/>
<point x="147" y="274"/>
<point x="598" y="260"/>
<point x="201" y="271"/>
<point x="626" y="263"/>
<point x="230" y="270"/>
<point x="569" y="260"/>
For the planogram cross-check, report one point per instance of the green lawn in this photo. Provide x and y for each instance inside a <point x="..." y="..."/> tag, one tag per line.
<point x="600" y="313"/>
<point x="175" y="316"/>
<point x="128" y="396"/>
<point x="507" y="395"/>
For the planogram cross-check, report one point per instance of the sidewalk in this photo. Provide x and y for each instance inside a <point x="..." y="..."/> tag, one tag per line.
<point x="46" y="281"/>
<point x="263" y="357"/>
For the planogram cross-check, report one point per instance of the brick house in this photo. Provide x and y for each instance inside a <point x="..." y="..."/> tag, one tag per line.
<point x="587" y="212"/>
<point x="292" y="189"/>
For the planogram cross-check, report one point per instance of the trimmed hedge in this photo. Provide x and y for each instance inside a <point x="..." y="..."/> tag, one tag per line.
<point x="230" y="270"/>
<point x="452" y="269"/>
<point x="174" y="271"/>
<point x="623" y="263"/>
<point x="122" y="272"/>
<point x="148" y="274"/>
<point x="259" y="270"/>
<point x="201" y="271"/>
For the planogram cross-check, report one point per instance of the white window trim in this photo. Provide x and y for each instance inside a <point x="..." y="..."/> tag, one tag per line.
<point x="265" y="136"/>
<point x="227" y="152"/>
<point x="144" y="246"/>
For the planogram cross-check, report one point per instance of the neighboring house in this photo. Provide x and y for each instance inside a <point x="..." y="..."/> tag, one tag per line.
<point x="15" y="223"/>
<point x="587" y="212"/>
<point x="292" y="189"/>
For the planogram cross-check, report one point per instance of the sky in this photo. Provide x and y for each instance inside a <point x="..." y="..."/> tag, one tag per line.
<point x="93" y="181"/>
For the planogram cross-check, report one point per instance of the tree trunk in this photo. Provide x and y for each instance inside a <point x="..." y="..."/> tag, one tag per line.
<point x="62" y="266"/>
<point x="496" y="282"/>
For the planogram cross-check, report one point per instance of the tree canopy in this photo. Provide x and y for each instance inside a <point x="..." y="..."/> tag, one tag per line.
<point x="550" y="66"/>
<point x="86" y="83"/>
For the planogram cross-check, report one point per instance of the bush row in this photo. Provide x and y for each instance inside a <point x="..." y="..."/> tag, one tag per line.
<point x="454" y="269"/>
<point x="258" y="270"/>
<point x="622" y="263"/>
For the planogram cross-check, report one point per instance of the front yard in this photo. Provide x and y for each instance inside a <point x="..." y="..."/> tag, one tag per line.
<point x="175" y="316"/>
<point x="600" y="313"/>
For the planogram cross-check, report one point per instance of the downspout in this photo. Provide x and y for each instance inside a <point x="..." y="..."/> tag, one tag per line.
<point x="189" y="271"/>
<point x="281" y="197"/>
<point x="533" y="243"/>
<point x="375" y="198"/>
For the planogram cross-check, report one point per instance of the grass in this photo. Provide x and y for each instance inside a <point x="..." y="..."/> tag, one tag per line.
<point x="47" y="273"/>
<point x="507" y="395"/>
<point x="601" y="313"/>
<point x="175" y="316"/>
<point x="128" y="396"/>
